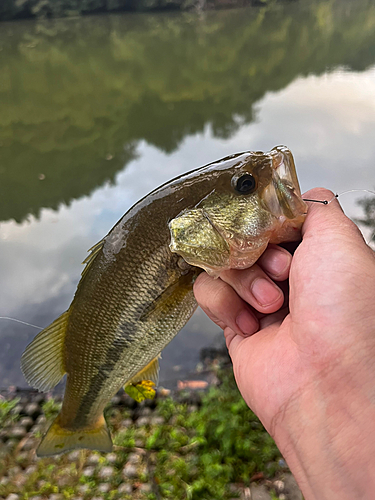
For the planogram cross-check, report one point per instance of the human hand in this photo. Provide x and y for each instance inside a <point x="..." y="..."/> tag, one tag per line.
<point x="307" y="371"/>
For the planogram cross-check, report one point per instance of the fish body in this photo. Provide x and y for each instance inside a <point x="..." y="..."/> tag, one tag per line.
<point x="136" y="291"/>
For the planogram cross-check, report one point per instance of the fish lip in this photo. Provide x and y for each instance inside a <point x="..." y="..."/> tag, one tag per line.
<point x="282" y="196"/>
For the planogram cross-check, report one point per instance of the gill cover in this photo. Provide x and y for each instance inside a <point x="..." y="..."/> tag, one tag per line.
<point x="258" y="202"/>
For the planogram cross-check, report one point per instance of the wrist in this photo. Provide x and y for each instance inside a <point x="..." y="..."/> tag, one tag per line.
<point x="320" y="432"/>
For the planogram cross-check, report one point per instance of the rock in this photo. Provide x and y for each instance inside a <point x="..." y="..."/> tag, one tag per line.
<point x="83" y="488"/>
<point x="104" y="487"/>
<point x="31" y="469"/>
<point x="259" y="492"/>
<point x="142" y="421"/>
<point x="3" y="435"/>
<point x="40" y="398"/>
<point x="129" y="471"/>
<point x="30" y="444"/>
<point x="17" y="410"/>
<point x="74" y="455"/>
<point x="41" y="419"/>
<point x="282" y="496"/>
<point x="63" y="481"/>
<point x="11" y="444"/>
<point x="17" y="432"/>
<point x="111" y="458"/>
<point x="36" y="497"/>
<point x="279" y="486"/>
<point x="106" y="472"/>
<point x="125" y="488"/>
<point x="33" y="410"/>
<point x="126" y="423"/>
<point x="97" y="498"/>
<point x="282" y="463"/>
<point x="4" y="481"/>
<point x="246" y="494"/>
<point x="145" y="488"/>
<point x="56" y="496"/>
<point x="27" y="423"/>
<point x="93" y="459"/>
<point x="192" y="408"/>
<point x="22" y="457"/>
<point x="38" y="428"/>
<point x="157" y="420"/>
<point x="134" y="458"/>
<point x="88" y="471"/>
<point x="19" y="481"/>
<point x="14" y="470"/>
<point x="12" y="496"/>
<point x="292" y="490"/>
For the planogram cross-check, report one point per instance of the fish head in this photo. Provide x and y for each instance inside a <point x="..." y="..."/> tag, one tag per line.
<point x="255" y="200"/>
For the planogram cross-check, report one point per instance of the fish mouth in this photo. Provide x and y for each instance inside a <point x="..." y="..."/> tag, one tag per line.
<point x="282" y="196"/>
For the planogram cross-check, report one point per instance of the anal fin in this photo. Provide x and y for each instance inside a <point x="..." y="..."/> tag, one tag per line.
<point x="42" y="362"/>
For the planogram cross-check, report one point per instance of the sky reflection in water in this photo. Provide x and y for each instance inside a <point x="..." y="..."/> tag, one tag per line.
<point x="328" y="122"/>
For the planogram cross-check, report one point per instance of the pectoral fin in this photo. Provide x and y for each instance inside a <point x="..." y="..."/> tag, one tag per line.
<point x="168" y="312"/>
<point x="172" y="296"/>
<point x="42" y="362"/>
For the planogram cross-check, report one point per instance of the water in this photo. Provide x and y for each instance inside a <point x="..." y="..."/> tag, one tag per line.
<point x="95" y="112"/>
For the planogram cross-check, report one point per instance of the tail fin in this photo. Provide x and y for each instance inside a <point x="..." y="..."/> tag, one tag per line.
<point x="59" y="440"/>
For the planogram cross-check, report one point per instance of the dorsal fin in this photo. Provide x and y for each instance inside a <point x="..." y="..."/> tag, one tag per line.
<point x="91" y="257"/>
<point x="42" y="363"/>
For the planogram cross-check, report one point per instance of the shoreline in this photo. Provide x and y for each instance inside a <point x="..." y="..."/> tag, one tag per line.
<point x="163" y="448"/>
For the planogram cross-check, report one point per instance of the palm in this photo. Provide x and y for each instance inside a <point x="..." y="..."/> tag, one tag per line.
<point x="292" y="348"/>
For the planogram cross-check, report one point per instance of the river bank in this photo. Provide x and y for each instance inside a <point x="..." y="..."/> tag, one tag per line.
<point x="192" y="444"/>
<point x="13" y="9"/>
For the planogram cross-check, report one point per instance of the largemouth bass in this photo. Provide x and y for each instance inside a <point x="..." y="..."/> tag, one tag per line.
<point x="136" y="291"/>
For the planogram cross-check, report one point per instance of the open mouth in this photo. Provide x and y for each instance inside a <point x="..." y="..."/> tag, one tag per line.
<point x="283" y="195"/>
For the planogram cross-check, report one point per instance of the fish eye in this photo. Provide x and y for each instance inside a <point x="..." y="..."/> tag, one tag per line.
<point x="244" y="184"/>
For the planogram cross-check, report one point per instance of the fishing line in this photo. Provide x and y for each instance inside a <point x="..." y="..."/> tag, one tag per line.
<point x="326" y="202"/>
<point x="22" y="322"/>
<point x="323" y="202"/>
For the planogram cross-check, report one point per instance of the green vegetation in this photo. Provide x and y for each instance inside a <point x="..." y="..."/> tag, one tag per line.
<point x="195" y="452"/>
<point x="368" y="221"/>
<point x="221" y="443"/>
<point x="51" y="408"/>
<point x="10" y="9"/>
<point x="7" y="417"/>
<point x="77" y="96"/>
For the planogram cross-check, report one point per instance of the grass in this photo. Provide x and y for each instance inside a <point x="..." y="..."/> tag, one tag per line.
<point x="6" y="415"/>
<point x="205" y="451"/>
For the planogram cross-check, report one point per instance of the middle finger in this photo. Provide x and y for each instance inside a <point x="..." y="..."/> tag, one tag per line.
<point x="255" y="287"/>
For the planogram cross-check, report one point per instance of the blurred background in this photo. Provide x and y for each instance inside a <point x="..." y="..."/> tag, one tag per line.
<point x="97" y="111"/>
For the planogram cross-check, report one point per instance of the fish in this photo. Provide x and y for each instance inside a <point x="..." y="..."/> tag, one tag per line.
<point x="136" y="289"/>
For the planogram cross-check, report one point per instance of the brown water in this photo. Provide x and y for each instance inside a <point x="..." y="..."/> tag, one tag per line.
<point x="95" y="112"/>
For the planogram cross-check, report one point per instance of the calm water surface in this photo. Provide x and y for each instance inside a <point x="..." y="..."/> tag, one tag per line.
<point x="96" y="112"/>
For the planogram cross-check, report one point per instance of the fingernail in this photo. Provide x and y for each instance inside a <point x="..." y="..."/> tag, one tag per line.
<point x="277" y="261"/>
<point x="247" y="323"/>
<point x="265" y="292"/>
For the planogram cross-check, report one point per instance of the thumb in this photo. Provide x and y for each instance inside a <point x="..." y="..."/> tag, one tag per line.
<point x="330" y="218"/>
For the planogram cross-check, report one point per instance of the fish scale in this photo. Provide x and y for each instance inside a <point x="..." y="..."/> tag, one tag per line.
<point x="136" y="291"/>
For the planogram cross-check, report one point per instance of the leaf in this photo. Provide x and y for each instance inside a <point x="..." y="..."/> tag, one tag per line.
<point x="141" y="391"/>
